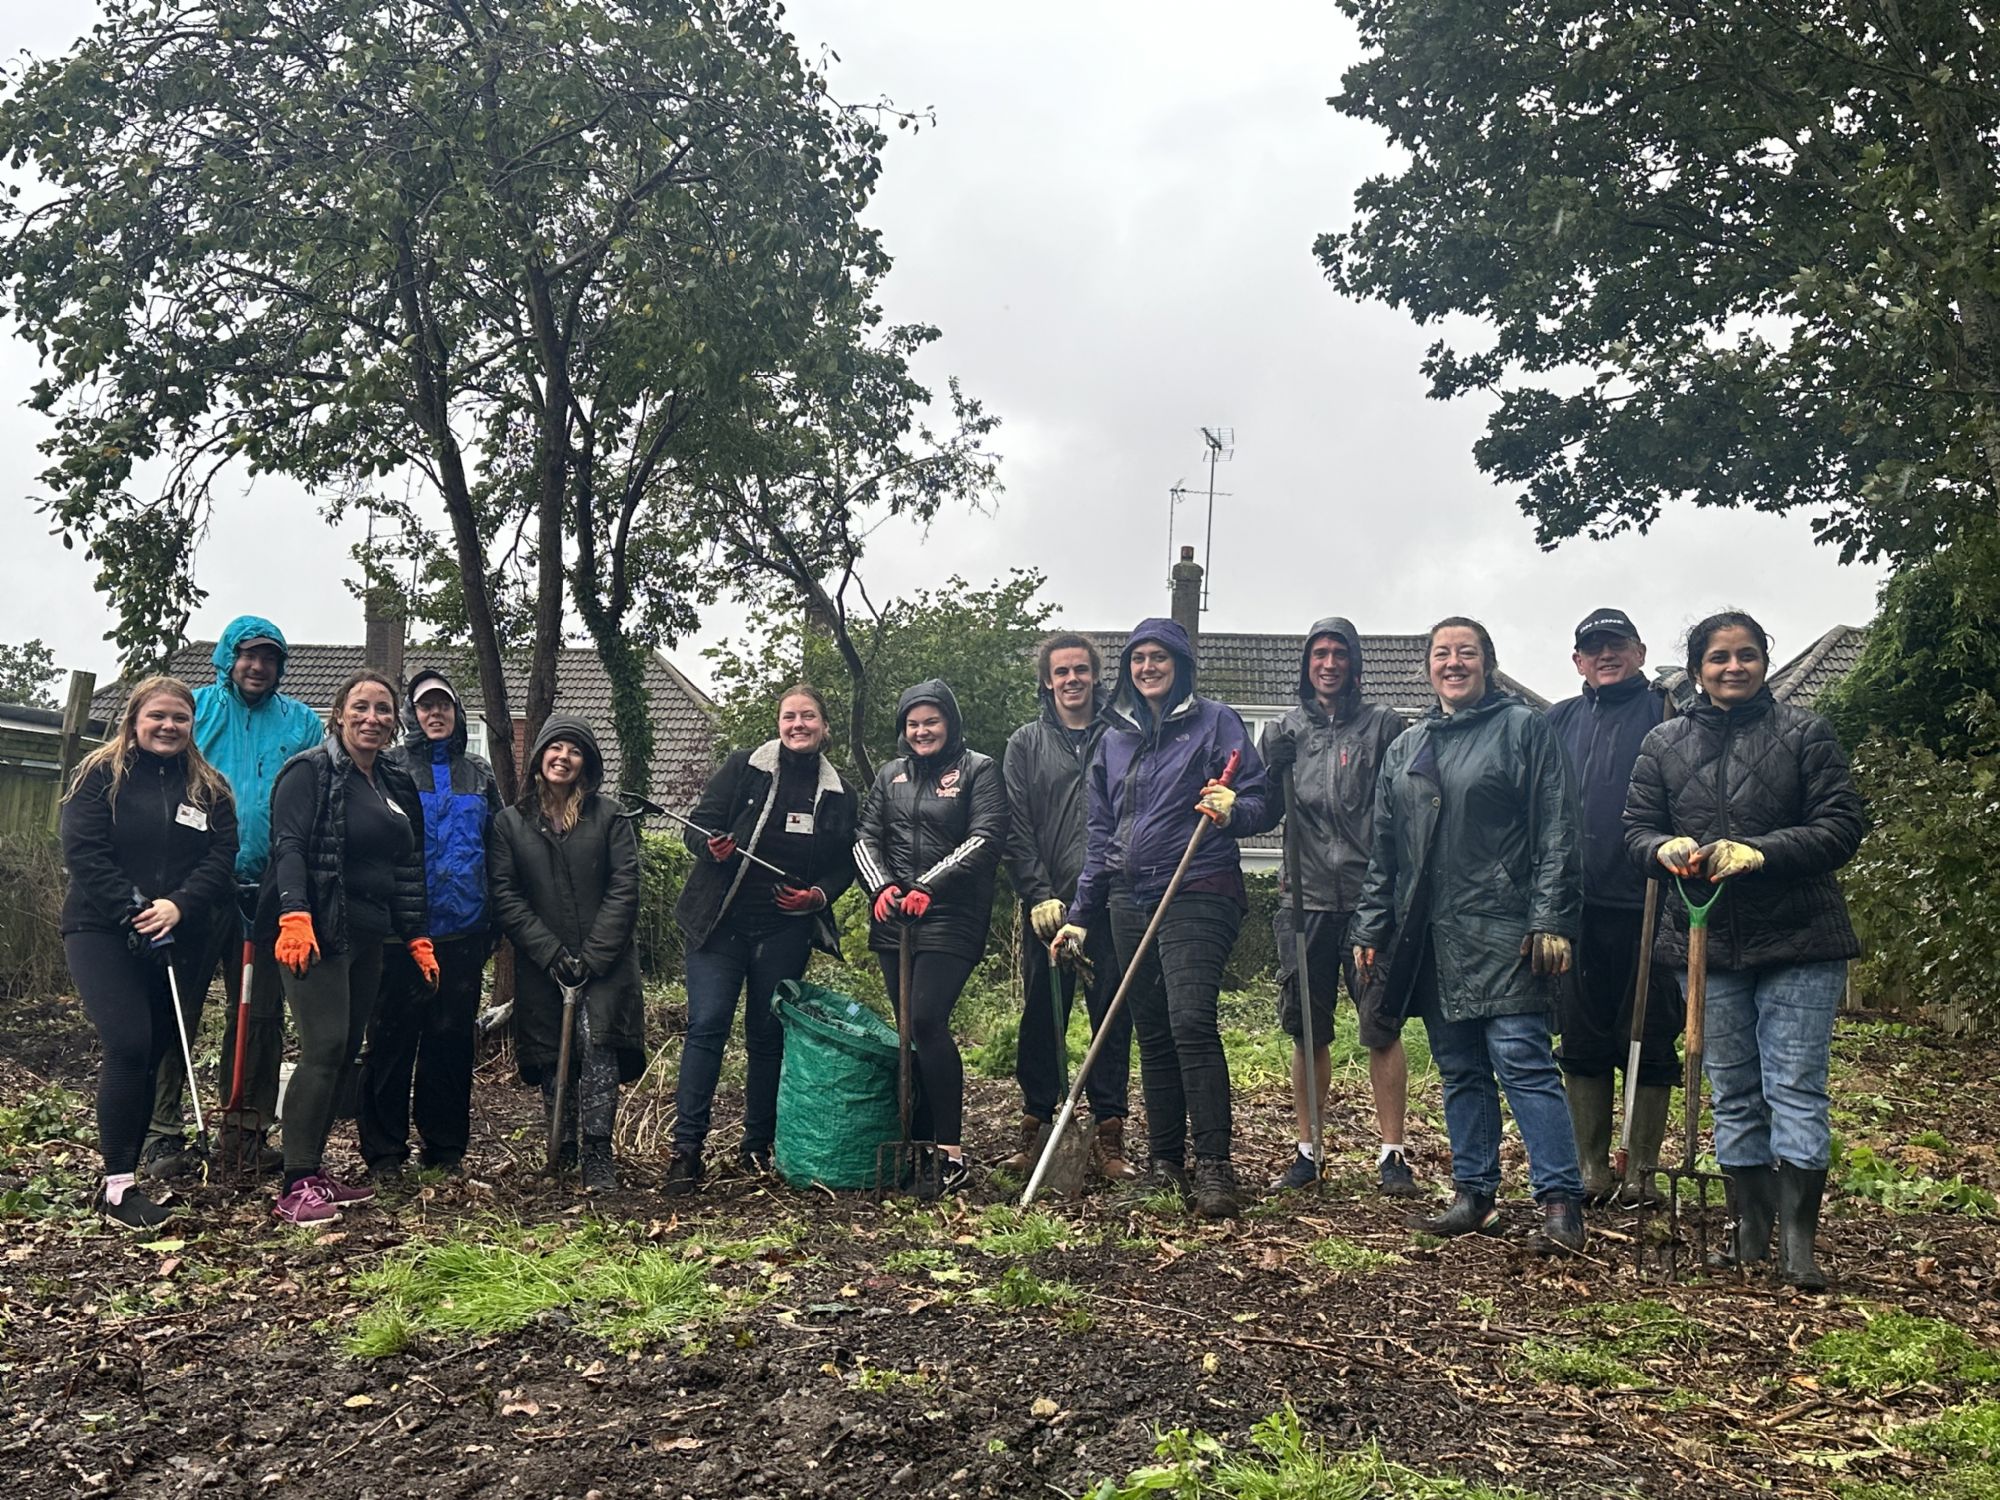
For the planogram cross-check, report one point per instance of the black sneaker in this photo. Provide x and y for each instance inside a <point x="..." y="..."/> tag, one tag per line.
<point x="134" y="1211"/>
<point x="170" y="1157"/>
<point x="754" y="1161"/>
<point x="1300" y="1174"/>
<point x="386" y="1174"/>
<point x="1395" y="1179"/>
<point x="684" y="1174"/>
<point x="1469" y="1213"/>
<point x="1216" y="1195"/>
<point x="1163" y="1175"/>
<point x="600" y="1168"/>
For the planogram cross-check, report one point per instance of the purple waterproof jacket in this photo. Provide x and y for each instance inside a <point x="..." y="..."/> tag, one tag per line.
<point x="1148" y="774"/>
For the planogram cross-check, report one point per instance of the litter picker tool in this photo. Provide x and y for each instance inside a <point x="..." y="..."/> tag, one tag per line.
<point x="694" y="827"/>
<point x="571" y="993"/>
<point x="1294" y="836"/>
<point x="1690" y="1204"/>
<point x="1070" y="1162"/>
<point x="904" y="1162"/>
<point x="1201" y="827"/>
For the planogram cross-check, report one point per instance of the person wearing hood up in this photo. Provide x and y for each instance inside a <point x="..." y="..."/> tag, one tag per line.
<point x="417" y="1033"/>
<point x="1332" y="745"/>
<point x="1047" y="761"/>
<point x="927" y="848"/>
<point x="1601" y="730"/>
<point x="345" y="883"/>
<point x="1152" y="781"/>
<point x="565" y="887"/>
<point x="748" y="929"/>
<point x="247" y="729"/>
<point x="1472" y="899"/>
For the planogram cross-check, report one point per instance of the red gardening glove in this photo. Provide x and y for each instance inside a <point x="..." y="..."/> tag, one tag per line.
<point x="916" y="902"/>
<point x="794" y="898"/>
<point x="721" y="847"/>
<point x="426" y="959"/>
<point x="297" y="949"/>
<point x="885" y="904"/>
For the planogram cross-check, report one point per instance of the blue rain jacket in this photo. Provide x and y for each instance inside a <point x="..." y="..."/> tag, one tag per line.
<point x="248" y="744"/>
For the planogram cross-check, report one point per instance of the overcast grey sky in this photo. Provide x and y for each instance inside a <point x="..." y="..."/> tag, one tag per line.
<point x="1112" y="224"/>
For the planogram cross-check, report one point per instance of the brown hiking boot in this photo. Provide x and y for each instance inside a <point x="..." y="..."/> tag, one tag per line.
<point x="1022" y="1162"/>
<point x="1108" y="1155"/>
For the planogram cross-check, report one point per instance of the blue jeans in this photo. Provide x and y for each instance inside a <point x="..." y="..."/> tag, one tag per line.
<point x="717" y="972"/>
<point x="1769" y="1032"/>
<point x="1515" y="1051"/>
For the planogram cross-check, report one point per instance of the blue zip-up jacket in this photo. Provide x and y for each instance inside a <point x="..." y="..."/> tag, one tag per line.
<point x="460" y="800"/>
<point x="249" y="743"/>
<point x="1147" y="775"/>
<point x="1601" y="731"/>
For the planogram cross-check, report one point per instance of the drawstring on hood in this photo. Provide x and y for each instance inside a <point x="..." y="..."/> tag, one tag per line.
<point x="936" y="690"/>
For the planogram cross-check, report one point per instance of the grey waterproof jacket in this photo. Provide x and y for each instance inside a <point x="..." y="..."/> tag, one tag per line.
<point x="1774" y="777"/>
<point x="1048" y="798"/>
<point x="1475" y="847"/>
<point x="1333" y="778"/>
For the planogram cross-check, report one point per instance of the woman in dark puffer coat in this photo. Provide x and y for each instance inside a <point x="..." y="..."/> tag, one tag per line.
<point x="1745" y="789"/>
<point x="565" y="871"/>
<point x="927" y="850"/>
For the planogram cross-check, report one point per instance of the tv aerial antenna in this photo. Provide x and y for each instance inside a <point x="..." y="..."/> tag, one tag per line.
<point x="1221" y="443"/>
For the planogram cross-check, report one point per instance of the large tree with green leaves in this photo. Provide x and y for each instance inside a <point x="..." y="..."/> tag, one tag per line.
<point x="26" y="671"/>
<point x="1738" y="252"/>
<point x="512" y="248"/>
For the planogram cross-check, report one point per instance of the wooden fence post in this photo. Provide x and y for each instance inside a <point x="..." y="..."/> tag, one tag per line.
<point x="75" y="725"/>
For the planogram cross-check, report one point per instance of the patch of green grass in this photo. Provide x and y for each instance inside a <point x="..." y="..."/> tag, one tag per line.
<point x="1143" y="1244"/>
<point x="920" y="1258"/>
<point x="874" y="1378"/>
<point x="1617" y="1334"/>
<point x="1484" y="1307"/>
<point x="1014" y="1232"/>
<point x="1345" y="1257"/>
<point x="1970" y="1432"/>
<point x="1283" y="1463"/>
<point x="1930" y="1140"/>
<point x="49" y="1113"/>
<point x="1585" y="1362"/>
<point x="1898" y="1349"/>
<point x="1077" y="1320"/>
<point x="1960" y="1482"/>
<point x="719" y="1247"/>
<point x="1019" y="1287"/>
<point x="1167" y="1201"/>
<point x="629" y="1295"/>
<point x="1643" y="1327"/>
<point x="1865" y="1173"/>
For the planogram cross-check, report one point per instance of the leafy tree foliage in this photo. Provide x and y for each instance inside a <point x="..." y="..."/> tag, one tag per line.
<point x="25" y="674"/>
<point x="1930" y="671"/>
<point x="980" y="640"/>
<point x="516" y="249"/>
<point x="1763" y="232"/>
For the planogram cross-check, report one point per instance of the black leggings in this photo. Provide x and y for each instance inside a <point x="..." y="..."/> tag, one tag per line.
<point x="127" y="1000"/>
<point x="936" y="980"/>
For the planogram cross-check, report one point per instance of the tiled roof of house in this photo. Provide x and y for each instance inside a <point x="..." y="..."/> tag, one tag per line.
<point x="1817" y="668"/>
<point x="1245" y="668"/>
<point x="683" y="730"/>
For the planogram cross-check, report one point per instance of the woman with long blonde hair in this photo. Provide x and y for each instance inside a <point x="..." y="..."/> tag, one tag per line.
<point x="149" y="839"/>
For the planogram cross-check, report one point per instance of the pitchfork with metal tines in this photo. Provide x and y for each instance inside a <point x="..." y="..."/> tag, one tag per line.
<point x="1689" y="1190"/>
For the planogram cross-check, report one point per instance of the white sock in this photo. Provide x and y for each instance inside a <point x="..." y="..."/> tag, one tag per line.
<point x="115" y="1186"/>
<point x="1306" y="1150"/>
<point x="1388" y="1149"/>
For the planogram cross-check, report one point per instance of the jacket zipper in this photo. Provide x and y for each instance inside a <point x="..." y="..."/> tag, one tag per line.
<point x="167" y="835"/>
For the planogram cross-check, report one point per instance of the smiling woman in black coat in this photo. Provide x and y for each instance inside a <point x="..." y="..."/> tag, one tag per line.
<point x="149" y="839"/>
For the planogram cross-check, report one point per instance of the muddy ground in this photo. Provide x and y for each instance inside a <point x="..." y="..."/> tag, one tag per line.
<point x="856" y="1348"/>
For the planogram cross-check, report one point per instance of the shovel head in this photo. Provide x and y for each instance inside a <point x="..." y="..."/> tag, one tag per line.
<point x="1069" y="1167"/>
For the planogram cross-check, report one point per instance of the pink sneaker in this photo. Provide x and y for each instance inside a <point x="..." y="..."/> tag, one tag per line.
<point x="340" y="1194"/>
<point x="305" y="1203"/>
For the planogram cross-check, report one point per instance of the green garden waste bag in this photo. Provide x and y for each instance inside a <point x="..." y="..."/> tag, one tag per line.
<point x="837" y="1089"/>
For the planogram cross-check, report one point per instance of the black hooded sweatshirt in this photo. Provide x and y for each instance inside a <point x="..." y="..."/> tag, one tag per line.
<point x="936" y="823"/>
<point x="1339" y="757"/>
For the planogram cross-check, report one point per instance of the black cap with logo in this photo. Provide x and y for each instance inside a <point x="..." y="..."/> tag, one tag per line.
<point x="1606" y="622"/>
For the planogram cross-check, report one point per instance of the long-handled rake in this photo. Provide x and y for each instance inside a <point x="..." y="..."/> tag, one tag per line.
<point x="1695" y="1197"/>
<point x="904" y="1165"/>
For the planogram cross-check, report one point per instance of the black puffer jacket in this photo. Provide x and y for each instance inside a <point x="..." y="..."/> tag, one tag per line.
<point x="309" y="854"/>
<point x="1771" y="776"/>
<point x="1475" y="847"/>
<point x="1048" y="802"/>
<point x="578" y="891"/>
<point x="1333" y="778"/>
<point x="150" y="838"/>
<point x="939" y="823"/>
<point x="738" y="801"/>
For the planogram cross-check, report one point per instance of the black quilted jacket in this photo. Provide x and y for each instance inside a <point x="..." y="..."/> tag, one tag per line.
<point x="1771" y="776"/>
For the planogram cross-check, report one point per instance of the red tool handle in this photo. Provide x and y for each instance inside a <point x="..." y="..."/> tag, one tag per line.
<point x="1230" y="767"/>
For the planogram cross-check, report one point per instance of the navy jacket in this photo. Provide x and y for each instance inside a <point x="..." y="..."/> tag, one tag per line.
<point x="1601" y="730"/>
<point x="1147" y="776"/>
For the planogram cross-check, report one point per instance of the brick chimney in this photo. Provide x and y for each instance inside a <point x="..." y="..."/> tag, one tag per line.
<point x="382" y="637"/>
<point x="1187" y="595"/>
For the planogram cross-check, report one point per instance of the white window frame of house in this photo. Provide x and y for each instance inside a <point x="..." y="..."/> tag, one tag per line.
<point x="475" y="736"/>
<point x="1256" y="715"/>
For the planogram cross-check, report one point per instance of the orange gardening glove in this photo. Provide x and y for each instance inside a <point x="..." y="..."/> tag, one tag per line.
<point x="426" y="960"/>
<point x="297" y="949"/>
